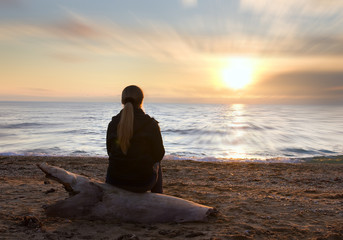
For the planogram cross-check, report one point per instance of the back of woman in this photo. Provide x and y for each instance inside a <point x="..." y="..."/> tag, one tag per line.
<point x="135" y="146"/>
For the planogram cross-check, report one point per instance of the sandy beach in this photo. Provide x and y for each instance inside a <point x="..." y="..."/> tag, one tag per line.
<point x="254" y="200"/>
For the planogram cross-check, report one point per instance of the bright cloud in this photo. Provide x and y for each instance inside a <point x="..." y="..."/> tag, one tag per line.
<point x="189" y="3"/>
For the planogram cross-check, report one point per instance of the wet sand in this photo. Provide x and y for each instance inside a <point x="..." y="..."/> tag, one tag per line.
<point x="254" y="200"/>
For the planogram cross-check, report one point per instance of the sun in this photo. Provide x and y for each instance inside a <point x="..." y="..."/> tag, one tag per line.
<point x="238" y="73"/>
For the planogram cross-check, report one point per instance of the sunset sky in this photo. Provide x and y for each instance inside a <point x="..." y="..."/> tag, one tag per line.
<point x="208" y="51"/>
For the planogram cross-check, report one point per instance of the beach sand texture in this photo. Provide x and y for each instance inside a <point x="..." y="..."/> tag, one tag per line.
<point x="255" y="201"/>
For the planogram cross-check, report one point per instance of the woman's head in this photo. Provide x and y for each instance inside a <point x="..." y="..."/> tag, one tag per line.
<point x="132" y="94"/>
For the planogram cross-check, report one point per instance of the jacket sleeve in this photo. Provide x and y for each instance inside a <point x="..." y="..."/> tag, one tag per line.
<point x="108" y="145"/>
<point x="157" y="143"/>
<point x="110" y="136"/>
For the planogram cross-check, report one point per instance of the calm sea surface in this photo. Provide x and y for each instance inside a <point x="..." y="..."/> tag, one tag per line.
<point x="206" y="132"/>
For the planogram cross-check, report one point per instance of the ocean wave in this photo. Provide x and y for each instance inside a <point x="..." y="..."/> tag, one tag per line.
<point x="79" y="132"/>
<point x="312" y="152"/>
<point x="327" y="151"/>
<point x="193" y="131"/>
<point x="319" y="159"/>
<point x="215" y="159"/>
<point x="335" y="159"/>
<point x="207" y="131"/>
<point x="6" y="135"/>
<point x="79" y="152"/>
<point x="46" y="153"/>
<point x="299" y="151"/>
<point x="22" y="125"/>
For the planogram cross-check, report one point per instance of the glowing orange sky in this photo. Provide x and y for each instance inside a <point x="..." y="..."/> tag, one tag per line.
<point x="175" y="50"/>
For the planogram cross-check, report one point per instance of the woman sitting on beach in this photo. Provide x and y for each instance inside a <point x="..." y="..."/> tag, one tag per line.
<point x="134" y="146"/>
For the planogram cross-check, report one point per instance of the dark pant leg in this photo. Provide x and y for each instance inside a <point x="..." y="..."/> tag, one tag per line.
<point x="158" y="187"/>
<point x="155" y="184"/>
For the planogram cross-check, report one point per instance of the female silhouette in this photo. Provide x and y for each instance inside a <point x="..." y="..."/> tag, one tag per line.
<point x="134" y="146"/>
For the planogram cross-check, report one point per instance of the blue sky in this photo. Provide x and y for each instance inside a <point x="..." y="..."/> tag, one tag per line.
<point x="175" y="50"/>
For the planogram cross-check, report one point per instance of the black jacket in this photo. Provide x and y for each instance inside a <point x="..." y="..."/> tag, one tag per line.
<point x="146" y="149"/>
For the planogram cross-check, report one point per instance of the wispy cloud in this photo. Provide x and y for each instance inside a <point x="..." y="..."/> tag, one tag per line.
<point x="78" y="27"/>
<point x="161" y="41"/>
<point x="299" y="27"/>
<point x="155" y="40"/>
<point x="189" y="3"/>
<point x="38" y="90"/>
<point x="281" y="8"/>
<point x="322" y="84"/>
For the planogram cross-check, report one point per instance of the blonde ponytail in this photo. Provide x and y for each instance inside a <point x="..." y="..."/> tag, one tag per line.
<point x="125" y="127"/>
<point x="132" y="97"/>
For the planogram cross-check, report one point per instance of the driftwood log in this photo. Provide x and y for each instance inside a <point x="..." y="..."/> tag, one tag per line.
<point x="93" y="199"/>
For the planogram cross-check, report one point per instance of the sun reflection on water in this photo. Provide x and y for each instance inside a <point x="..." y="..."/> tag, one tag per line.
<point x="237" y="122"/>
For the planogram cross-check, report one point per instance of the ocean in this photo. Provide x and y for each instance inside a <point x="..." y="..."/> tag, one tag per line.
<point x="203" y="132"/>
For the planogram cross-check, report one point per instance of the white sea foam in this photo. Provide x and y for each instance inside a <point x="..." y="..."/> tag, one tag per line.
<point x="252" y="160"/>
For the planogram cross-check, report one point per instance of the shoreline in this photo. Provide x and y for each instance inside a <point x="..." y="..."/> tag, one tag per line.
<point x="254" y="200"/>
<point x="335" y="159"/>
